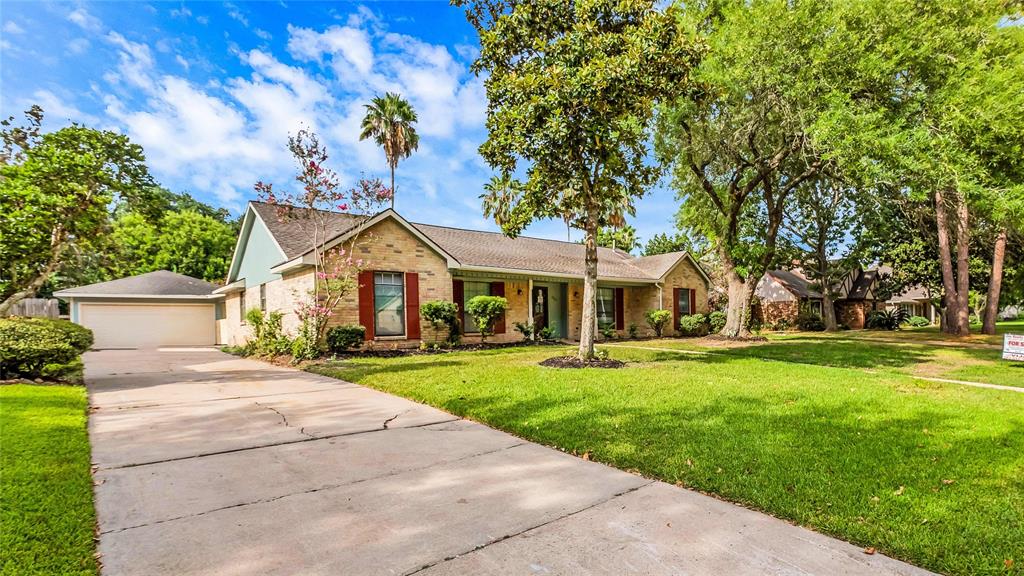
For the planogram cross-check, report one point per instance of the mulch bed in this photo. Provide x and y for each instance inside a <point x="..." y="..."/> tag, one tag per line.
<point x="574" y="362"/>
<point x="401" y="352"/>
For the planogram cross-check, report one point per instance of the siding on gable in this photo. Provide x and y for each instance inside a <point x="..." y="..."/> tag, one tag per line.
<point x="259" y="254"/>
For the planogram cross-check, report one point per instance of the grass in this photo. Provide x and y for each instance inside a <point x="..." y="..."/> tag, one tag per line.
<point x="927" y="472"/>
<point x="917" y="352"/>
<point x="46" y="507"/>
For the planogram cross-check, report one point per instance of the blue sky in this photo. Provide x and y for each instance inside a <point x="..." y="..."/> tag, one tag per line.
<point x="211" y="91"/>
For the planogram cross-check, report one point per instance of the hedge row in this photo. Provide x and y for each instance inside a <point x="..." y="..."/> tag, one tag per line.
<point x="40" y="347"/>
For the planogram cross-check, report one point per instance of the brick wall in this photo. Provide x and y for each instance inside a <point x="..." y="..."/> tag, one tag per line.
<point x="768" y="313"/>
<point x="852" y="313"/>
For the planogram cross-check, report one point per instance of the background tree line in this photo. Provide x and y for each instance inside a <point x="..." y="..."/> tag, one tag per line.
<point x="79" y="206"/>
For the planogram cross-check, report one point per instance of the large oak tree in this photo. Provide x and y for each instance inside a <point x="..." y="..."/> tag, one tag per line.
<point x="571" y="88"/>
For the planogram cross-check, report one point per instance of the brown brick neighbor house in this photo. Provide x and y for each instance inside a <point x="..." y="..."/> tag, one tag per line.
<point x="782" y="294"/>
<point x="407" y="264"/>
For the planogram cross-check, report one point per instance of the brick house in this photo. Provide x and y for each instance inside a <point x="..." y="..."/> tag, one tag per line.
<point x="408" y="264"/>
<point x="782" y="294"/>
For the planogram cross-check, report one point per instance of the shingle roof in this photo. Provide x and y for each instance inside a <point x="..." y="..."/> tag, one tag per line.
<point x="480" y="249"/>
<point x="158" y="283"/>
<point x="293" y="234"/>
<point x="495" y="250"/>
<point x="862" y="284"/>
<point x="795" y="283"/>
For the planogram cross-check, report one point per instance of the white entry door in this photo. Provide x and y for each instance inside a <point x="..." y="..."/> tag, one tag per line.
<point x="149" y="325"/>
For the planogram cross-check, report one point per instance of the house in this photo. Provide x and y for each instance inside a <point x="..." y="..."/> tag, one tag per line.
<point x="407" y="264"/>
<point x="915" y="301"/>
<point x="158" y="308"/>
<point x="782" y="294"/>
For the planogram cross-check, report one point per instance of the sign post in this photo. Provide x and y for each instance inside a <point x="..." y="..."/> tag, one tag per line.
<point x="1013" y="347"/>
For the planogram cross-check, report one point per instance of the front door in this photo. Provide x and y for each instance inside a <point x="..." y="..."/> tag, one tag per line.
<point x="540" y="307"/>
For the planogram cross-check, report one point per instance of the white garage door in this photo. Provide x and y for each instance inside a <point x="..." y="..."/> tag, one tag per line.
<point x="149" y="325"/>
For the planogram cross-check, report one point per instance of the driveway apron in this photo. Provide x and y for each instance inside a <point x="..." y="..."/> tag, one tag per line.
<point x="211" y="464"/>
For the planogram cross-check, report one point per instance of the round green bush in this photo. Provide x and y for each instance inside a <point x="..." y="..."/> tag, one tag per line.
<point x="810" y="322"/>
<point x="693" y="325"/>
<point x="29" y="345"/>
<point x="346" y="337"/>
<point x="918" y="321"/>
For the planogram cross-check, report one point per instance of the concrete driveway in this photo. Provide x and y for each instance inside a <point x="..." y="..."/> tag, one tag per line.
<point x="209" y="464"/>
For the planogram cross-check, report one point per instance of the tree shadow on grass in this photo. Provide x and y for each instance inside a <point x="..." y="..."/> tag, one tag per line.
<point x="864" y="469"/>
<point x="823" y="352"/>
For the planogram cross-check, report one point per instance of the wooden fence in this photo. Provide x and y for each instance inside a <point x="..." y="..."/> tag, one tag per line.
<point x="36" y="307"/>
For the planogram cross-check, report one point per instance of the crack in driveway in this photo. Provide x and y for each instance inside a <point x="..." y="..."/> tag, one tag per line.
<point x="284" y="419"/>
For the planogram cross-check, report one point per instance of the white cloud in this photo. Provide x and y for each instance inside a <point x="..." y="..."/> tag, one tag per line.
<point x="182" y="12"/>
<point x="204" y="20"/>
<point x="78" y="46"/>
<point x="56" y="111"/>
<point x="11" y="27"/>
<point x="222" y="136"/>
<point x="235" y="13"/>
<point x="261" y="33"/>
<point x="136" y="62"/>
<point x="84" y="20"/>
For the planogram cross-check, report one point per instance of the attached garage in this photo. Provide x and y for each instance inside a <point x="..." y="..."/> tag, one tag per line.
<point x="160" y="308"/>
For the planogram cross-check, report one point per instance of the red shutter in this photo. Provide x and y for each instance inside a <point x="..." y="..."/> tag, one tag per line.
<point x="366" y="302"/>
<point x="693" y="301"/>
<point x="458" y="296"/>
<point x="675" y="309"/>
<point x="620" y="312"/>
<point x="412" y="305"/>
<point x="498" y="289"/>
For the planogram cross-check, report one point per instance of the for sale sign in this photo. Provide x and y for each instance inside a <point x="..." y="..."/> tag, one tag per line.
<point x="1013" y="347"/>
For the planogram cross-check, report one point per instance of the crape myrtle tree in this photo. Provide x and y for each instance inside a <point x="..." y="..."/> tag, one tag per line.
<point x="335" y="268"/>
<point x="571" y="88"/>
<point x="739" y="150"/>
<point x="56" y="190"/>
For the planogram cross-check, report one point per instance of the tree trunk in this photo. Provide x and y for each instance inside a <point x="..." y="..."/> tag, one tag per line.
<point x="828" y="312"/>
<point x="738" y="309"/>
<point x="963" y="316"/>
<point x="392" y="187"/>
<point x="949" y="299"/>
<point x="995" y="284"/>
<point x="589" y="322"/>
<point x="32" y="286"/>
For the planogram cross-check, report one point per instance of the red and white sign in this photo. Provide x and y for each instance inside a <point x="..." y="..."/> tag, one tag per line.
<point x="1013" y="347"/>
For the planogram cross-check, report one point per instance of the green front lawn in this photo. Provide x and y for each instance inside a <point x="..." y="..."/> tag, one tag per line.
<point x="917" y="352"/>
<point x="46" y="511"/>
<point x="927" y="472"/>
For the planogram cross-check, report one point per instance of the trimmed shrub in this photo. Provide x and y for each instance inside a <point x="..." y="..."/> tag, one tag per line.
<point x="657" y="320"/>
<point x="633" y="330"/>
<point x="267" y="337"/>
<point x="346" y="337"/>
<point x="716" y="321"/>
<point x="486" y="310"/>
<point x="443" y="314"/>
<point x="41" y="347"/>
<point x="608" y="332"/>
<point x="546" y="334"/>
<point x="918" y="321"/>
<point x="810" y="322"/>
<point x="693" y="325"/>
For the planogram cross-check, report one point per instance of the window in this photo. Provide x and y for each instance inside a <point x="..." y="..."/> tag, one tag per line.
<point x="471" y="290"/>
<point x="263" y="297"/>
<point x="816" y="307"/>
<point x="241" y="306"/>
<point x="684" y="302"/>
<point x="605" y="308"/>
<point x="389" y="303"/>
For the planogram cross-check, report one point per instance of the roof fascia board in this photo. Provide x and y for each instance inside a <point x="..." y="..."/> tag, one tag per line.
<point x="535" y="273"/>
<point x="80" y="295"/>
<point x="236" y="286"/>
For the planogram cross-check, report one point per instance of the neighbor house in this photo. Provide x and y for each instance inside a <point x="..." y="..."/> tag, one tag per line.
<point x="782" y="294"/>
<point x="407" y="264"/>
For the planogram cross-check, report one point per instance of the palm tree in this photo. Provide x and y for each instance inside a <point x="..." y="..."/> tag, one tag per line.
<point x="389" y="121"/>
